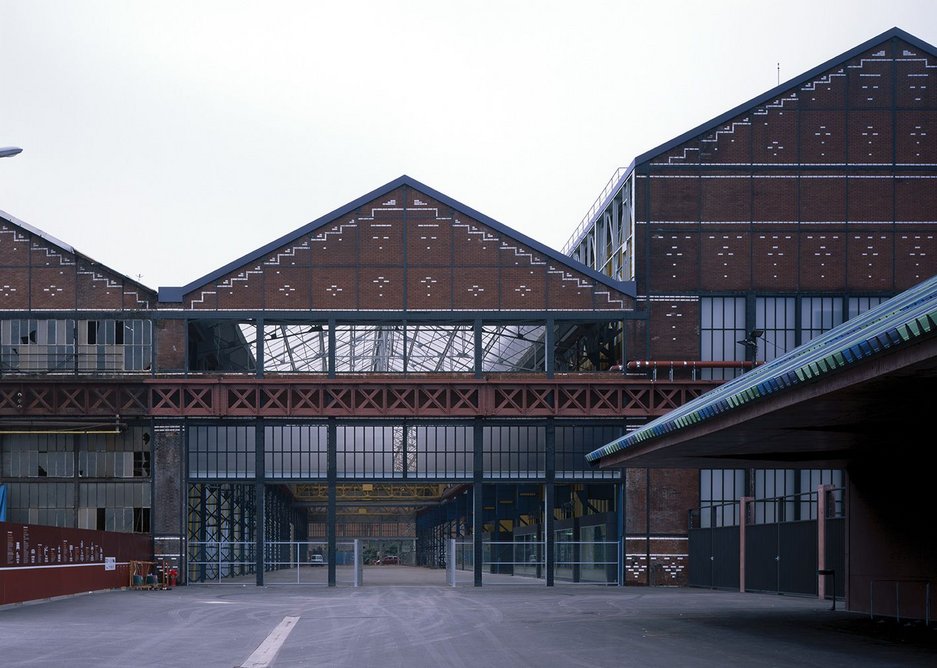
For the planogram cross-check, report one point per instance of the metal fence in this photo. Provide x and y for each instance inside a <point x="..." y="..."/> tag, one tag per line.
<point x="524" y="562"/>
<point x="284" y="562"/>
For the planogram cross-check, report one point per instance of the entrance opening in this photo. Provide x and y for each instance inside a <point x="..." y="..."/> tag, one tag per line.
<point x="394" y="533"/>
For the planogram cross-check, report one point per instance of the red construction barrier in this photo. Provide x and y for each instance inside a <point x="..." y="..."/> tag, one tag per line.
<point x="39" y="562"/>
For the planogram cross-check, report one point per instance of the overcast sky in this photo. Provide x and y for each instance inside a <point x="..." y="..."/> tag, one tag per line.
<point x="166" y="139"/>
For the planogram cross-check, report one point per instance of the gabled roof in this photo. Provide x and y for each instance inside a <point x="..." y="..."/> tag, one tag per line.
<point x="35" y="231"/>
<point x="767" y="96"/>
<point x="770" y="95"/>
<point x="67" y="249"/>
<point x="898" y="323"/>
<point x="176" y="294"/>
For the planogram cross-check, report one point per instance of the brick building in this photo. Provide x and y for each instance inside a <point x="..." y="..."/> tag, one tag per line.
<point x="769" y="225"/>
<point x="406" y="370"/>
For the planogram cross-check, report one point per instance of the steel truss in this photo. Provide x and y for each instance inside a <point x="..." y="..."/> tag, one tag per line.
<point x="579" y="396"/>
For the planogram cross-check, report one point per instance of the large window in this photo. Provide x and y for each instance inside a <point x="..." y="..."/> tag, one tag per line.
<point x="295" y="451"/>
<point x="574" y="442"/>
<point x="515" y="451"/>
<point x="722" y="326"/>
<point x="720" y="490"/>
<point x="89" y="481"/>
<point x="818" y="315"/>
<point x="75" y="346"/>
<point x="775" y="317"/>
<point x="221" y="451"/>
<point x="857" y="305"/>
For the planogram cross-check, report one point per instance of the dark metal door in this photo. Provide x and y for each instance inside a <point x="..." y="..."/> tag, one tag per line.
<point x="761" y="557"/>
<point x="714" y="557"/>
<point x="797" y="557"/>
<point x="701" y="557"/>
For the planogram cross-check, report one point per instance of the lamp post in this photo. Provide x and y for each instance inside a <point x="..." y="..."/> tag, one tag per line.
<point x="9" y="151"/>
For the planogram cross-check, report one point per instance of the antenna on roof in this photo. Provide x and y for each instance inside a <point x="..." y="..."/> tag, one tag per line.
<point x="779" y="74"/>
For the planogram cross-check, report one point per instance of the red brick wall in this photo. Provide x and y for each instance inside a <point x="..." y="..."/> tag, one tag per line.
<point x="169" y="336"/>
<point x="664" y="496"/>
<point x="808" y="192"/>
<point x="38" y="275"/>
<point x="674" y="328"/>
<point x="405" y="251"/>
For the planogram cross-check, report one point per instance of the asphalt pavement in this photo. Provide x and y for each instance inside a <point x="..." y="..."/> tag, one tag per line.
<point x="394" y="620"/>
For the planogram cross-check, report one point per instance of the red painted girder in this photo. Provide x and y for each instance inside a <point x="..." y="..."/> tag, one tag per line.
<point x="586" y="395"/>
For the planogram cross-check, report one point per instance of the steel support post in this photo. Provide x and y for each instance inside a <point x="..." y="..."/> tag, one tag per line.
<point x="331" y="351"/>
<point x="549" y="354"/>
<point x="549" y="489"/>
<point x="620" y="513"/>
<point x="822" y="570"/>
<point x="549" y="542"/>
<point x="478" y="515"/>
<point x="260" y="505"/>
<point x="259" y="352"/>
<point x="477" y="331"/>
<point x="743" y="514"/>
<point x="331" y="513"/>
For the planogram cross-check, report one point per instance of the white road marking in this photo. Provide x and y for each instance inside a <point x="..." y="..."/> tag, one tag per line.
<point x="263" y="656"/>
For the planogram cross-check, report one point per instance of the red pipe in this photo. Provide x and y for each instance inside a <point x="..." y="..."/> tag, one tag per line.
<point x="637" y="365"/>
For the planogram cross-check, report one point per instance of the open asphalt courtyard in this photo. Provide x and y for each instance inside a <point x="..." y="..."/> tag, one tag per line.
<point x="396" y="620"/>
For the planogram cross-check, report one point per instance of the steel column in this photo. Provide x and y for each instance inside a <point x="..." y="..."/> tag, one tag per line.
<point x="549" y="538"/>
<point x="620" y="512"/>
<point x="478" y="518"/>
<point x="260" y="501"/>
<point x="477" y="331"/>
<point x="331" y="352"/>
<point x="549" y="347"/>
<point x="331" y="513"/>
<point x="259" y="352"/>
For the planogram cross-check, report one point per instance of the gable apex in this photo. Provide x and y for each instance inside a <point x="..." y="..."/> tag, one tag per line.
<point x="773" y="93"/>
<point x="176" y="294"/>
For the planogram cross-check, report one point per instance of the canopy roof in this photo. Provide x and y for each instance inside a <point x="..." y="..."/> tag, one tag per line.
<point x="895" y="326"/>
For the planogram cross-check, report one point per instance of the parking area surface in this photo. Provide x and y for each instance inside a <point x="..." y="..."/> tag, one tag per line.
<point x="420" y="625"/>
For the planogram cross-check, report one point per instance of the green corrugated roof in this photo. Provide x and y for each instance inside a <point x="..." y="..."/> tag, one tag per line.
<point x="898" y="322"/>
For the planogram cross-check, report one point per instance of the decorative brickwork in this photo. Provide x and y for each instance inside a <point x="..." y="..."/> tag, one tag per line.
<point x="791" y="191"/>
<point x="668" y="561"/>
<point x="405" y="251"/>
<point x="39" y="275"/>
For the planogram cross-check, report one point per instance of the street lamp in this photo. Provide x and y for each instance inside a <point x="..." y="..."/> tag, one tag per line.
<point x="9" y="151"/>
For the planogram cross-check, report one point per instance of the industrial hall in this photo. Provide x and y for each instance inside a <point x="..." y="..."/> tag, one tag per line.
<point x="407" y="381"/>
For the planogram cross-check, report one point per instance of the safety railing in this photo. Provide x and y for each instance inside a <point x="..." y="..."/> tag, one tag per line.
<point x="599" y="203"/>
<point x="796" y="507"/>
<point x="776" y="509"/>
